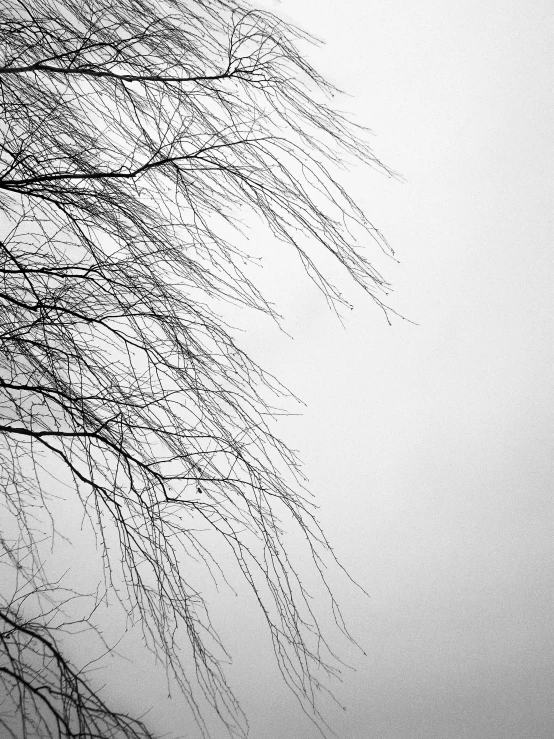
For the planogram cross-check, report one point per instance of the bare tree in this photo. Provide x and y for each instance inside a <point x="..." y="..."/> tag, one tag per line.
<point x="44" y="694"/>
<point x="136" y="140"/>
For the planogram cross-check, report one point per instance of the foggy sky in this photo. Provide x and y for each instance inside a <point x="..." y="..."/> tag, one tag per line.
<point x="429" y="443"/>
<point x="430" y="447"/>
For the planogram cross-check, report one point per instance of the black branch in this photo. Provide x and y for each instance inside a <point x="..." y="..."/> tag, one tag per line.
<point x="136" y="138"/>
<point x="45" y="695"/>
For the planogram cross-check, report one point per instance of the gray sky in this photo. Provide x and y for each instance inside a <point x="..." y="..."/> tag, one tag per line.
<point x="429" y="447"/>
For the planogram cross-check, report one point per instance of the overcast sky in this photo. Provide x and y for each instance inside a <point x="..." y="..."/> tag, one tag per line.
<point x="429" y="445"/>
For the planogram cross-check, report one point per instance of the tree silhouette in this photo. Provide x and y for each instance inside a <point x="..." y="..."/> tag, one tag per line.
<point x="44" y="695"/>
<point x="137" y="140"/>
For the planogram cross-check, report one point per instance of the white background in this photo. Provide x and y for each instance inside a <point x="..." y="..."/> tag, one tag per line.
<point x="430" y="447"/>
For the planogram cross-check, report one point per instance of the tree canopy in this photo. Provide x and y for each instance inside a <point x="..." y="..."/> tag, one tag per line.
<point x="138" y="141"/>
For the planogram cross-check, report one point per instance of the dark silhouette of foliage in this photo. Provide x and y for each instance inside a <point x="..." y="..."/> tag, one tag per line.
<point x="136" y="140"/>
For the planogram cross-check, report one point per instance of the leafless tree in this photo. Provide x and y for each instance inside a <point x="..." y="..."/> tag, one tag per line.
<point x="44" y="695"/>
<point x="137" y="139"/>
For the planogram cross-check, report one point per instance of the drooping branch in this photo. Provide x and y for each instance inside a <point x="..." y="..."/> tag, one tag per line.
<point x="136" y="140"/>
<point x="47" y="695"/>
